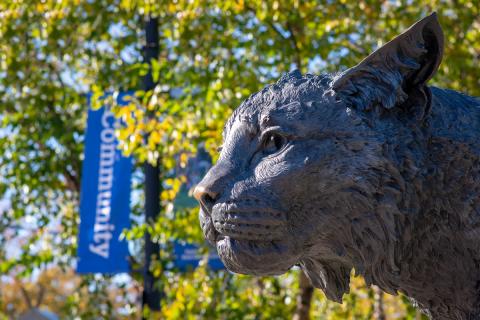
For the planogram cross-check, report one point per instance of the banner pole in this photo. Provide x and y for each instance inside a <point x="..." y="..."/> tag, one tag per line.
<point x="151" y="292"/>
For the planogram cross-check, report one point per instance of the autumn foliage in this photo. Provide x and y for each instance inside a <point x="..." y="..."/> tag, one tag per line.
<point x="213" y="55"/>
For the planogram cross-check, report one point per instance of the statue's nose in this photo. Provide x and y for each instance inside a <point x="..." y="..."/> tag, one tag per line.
<point x="205" y="195"/>
<point x="209" y="190"/>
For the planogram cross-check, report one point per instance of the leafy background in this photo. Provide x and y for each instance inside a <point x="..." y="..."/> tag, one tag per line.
<point x="213" y="54"/>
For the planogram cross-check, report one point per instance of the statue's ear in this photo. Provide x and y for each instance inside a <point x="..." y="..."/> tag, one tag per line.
<point x="396" y="73"/>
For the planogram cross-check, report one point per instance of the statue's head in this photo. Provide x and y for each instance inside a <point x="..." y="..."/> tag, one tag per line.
<point x="304" y="175"/>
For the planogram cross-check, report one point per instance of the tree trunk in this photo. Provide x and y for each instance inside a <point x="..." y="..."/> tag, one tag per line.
<point x="378" y="308"/>
<point x="304" y="299"/>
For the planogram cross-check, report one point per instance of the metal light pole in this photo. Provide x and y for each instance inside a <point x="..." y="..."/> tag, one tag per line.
<point x="151" y="293"/>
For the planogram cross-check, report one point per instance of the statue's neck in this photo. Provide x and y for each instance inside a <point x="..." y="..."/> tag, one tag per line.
<point x="439" y="265"/>
<point x="411" y="233"/>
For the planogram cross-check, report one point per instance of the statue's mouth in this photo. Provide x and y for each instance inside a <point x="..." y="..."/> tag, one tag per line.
<point x="251" y="236"/>
<point x="257" y="248"/>
<point x="246" y="222"/>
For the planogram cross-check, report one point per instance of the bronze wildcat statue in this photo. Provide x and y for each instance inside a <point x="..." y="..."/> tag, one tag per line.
<point x="368" y="169"/>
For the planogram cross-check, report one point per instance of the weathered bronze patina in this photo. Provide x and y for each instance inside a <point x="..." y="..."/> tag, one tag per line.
<point x="368" y="169"/>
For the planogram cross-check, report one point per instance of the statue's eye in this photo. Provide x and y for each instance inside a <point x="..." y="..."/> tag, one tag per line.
<point x="273" y="143"/>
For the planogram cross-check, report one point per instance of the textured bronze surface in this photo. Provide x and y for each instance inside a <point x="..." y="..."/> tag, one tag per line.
<point x="368" y="169"/>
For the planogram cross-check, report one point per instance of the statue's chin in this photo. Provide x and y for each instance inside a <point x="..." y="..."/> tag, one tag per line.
<point x="256" y="257"/>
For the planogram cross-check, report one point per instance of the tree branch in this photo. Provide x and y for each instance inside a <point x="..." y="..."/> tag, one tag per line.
<point x="25" y="295"/>
<point x="293" y="41"/>
<point x="292" y="38"/>
<point x="269" y="22"/>
<point x="41" y="295"/>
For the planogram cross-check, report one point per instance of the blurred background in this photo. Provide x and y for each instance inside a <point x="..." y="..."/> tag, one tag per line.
<point x="211" y="55"/>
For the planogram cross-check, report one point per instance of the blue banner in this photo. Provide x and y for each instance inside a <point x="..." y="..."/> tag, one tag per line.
<point x="105" y="197"/>
<point x="187" y="257"/>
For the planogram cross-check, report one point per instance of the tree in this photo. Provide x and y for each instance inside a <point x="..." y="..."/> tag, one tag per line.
<point x="213" y="55"/>
<point x="64" y="293"/>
